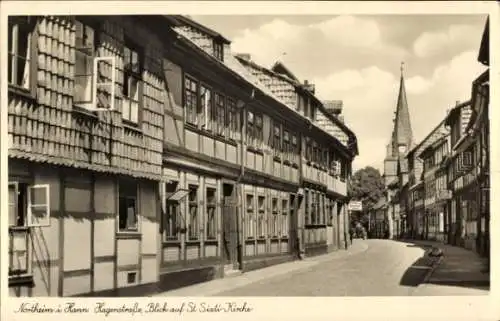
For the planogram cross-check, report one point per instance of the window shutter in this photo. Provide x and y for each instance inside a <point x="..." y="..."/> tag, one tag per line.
<point x="34" y="58"/>
<point x="174" y="85"/>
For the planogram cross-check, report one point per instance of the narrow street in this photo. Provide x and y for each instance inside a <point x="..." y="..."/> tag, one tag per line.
<point x="385" y="268"/>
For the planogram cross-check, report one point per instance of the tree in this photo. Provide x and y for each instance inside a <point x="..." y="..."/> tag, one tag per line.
<point x="367" y="185"/>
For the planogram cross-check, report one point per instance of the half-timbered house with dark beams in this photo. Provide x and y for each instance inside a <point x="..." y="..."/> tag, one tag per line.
<point x="234" y="149"/>
<point x="327" y="148"/>
<point x="469" y="163"/>
<point x="144" y="156"/>
<point x="85" y="131"/>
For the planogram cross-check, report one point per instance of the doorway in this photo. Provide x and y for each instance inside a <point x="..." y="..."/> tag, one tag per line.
<point x="230" y="244"/>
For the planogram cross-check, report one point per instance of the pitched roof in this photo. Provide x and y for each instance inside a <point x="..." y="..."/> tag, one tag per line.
<point x="280" y="68"/>
<point x="402" y="133"/>
<point x="484" y="48"/>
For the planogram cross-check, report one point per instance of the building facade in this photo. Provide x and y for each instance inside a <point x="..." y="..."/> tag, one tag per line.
<point x="145" y="156"/>
<point x="83" y="184"/>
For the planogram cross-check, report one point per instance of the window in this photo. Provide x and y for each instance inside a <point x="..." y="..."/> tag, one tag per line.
<point x="28" y="207"/>
<point x="211" y="218"/>
<point x="193" y="228"/>
<point x="218" y="50"/>
<point x="307" y="205"/>
<point x="261" y="223"/>
<point x="259" y="133"/>
<point x="132" y="83"/>
<point x="220" y="111"/>
<point x="85" y="42"/>
<point x="128" y="206"/>
<point x="250" y="221"/>
<point x="284" y="218"/>
<point x="250" y="128"/>
<point x="286" y="145"/>
<point x="232" y="120"/>
<point x="313" y="208"/>
<point x="207" y="120"/>
<point x="275" y="218"/>
<point x="309" y="151"/>
<point x="172" y="214"/>
<point x="295" y="148"/>
<point x="20" y="52"/>
<point x="467" y="160"/>
<point x="191" y="100"/>
<point x="277" y="140"/>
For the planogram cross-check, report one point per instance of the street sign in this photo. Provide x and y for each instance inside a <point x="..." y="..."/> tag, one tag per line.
<point x="355" y="206"/>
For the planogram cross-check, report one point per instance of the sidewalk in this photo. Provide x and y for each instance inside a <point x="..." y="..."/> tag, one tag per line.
<point x="459" y="272"/>
<point x="225" y="284"/>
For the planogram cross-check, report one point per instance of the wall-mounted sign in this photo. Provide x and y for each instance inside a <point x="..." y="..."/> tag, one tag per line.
<point x="355" y="206"/>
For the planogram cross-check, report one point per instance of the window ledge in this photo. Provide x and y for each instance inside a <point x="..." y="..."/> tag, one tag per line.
<point x="21" y="280"/>
<point x="124" y="235"/>
<point x="255" y="150"/>
<point x="131" y="126"/>
<point x="171" y="242"/>
<point x="211" y="241"/>
<point x="193" y="241"/>
<point x="277" y="158"/>
<point x="26" y="93"/>
<point x="79" y="110"/>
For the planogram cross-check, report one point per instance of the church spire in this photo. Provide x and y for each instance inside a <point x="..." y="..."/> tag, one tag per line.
<point x="402" y="135"/>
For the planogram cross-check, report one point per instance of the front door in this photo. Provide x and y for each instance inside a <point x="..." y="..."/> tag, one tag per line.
<point x="230" y="226"/>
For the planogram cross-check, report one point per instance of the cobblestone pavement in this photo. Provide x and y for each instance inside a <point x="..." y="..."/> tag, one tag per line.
<point x="386" y="268"/>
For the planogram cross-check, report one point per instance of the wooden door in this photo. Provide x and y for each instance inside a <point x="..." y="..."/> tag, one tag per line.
<point x="230" y="226"/>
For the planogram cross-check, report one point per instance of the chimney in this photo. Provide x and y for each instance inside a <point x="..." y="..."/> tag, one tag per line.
<point x="333" y="107"/>
<point x="309" y="87"/>
<point x="244" y="56"/>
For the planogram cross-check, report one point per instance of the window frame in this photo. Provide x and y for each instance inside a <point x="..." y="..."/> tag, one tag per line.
<point x="193" y="234"/>
<point x="285" y="210"/>
<point x="250" y="232"/>
<point x="211" y="205"/>
<point x="127" y="196"/>
<point x="191" y="110"/>
<point x="275" y="218"/>
<point x="277" y="142"/>
<point x="261" y="217"/>
<point x="128" y="73"/>
<point x="220" y="114"/>
<point x="218" y="50"/>
<point x="174" y="223"/>
<point x="89" y="55"/>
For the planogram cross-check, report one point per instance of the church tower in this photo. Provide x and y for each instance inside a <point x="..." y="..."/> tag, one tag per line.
<point x="402" y="134"/>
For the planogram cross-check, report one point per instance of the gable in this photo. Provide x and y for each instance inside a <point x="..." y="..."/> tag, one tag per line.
<point x="331" y="128"/>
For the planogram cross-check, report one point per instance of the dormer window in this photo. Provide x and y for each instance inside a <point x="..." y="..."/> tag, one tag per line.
<point x="218" y="50"/>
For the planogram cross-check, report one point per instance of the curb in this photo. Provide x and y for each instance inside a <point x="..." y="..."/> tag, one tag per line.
<point x="434" y="266"/>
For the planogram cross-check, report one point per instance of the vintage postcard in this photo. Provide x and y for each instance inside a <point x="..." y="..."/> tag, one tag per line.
<point x="248" y="160"/>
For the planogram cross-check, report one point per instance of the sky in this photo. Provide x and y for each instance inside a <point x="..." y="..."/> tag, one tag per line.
<point x="358" y="58"/>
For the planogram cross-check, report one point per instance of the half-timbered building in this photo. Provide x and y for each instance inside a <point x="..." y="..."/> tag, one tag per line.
<point x="145" y="156"/>
<point x="85" y="131"/>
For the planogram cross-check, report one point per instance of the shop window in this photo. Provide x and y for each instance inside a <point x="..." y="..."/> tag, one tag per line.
<point x="128" y="220"/>
<point x="193" y="227"/>
<point x="211" y="205"/>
